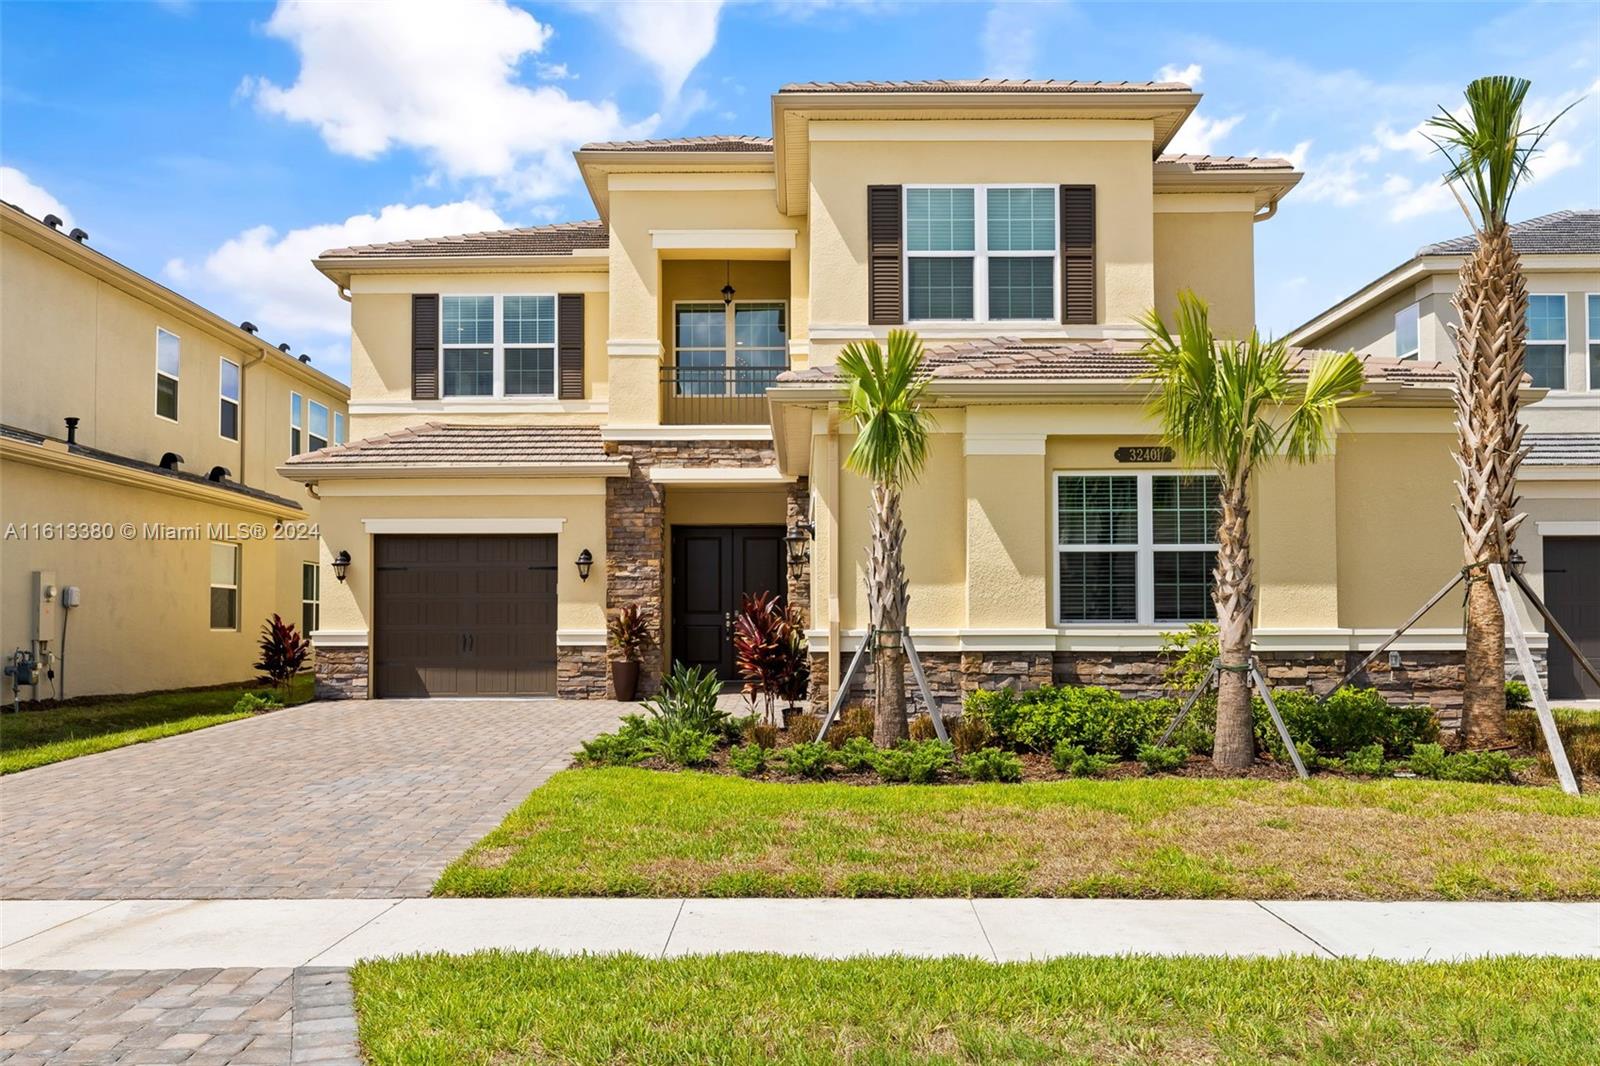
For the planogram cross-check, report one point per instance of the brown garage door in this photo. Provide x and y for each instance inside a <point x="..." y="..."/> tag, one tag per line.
<point x="465" y="616"/>
<point x="1572" y="592"/>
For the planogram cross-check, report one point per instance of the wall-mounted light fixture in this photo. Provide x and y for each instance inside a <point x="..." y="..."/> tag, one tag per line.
<point x="798" y="538"/>
<point x="727" y="288"/>
<point x="341" y="564"/>
<point x="1517" y="560"/>
<point x="585" y="564"/>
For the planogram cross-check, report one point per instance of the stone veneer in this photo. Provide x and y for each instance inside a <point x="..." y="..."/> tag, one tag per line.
<point x="341" y="673"/>
<point x="582" y="672"/>
<point x="799" y="574"/>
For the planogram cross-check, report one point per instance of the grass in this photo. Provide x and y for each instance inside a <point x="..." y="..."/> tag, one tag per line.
<point x="631" y="832"/>
<point x="41" y="737"/>
<point x="497" y="1009"/>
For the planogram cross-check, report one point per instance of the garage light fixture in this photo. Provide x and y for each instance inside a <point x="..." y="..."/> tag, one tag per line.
<point x="797" y="539"/>
<point x="585" y="564"/>
<point x="341" y="564"/>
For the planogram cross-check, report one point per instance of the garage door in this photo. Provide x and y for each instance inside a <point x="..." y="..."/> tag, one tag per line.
<point x="465" y="616"/>
<point x="1572" y="592"/>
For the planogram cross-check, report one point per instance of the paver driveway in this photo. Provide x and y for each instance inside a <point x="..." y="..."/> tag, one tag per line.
<point x="359" y="798"/>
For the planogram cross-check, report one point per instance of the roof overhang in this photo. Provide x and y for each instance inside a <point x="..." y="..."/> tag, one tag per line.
<point x="339" y="269"/>
<point x="597" y="165"/>
<point x="310" y="474"/>
<point x="1266" y="186"/>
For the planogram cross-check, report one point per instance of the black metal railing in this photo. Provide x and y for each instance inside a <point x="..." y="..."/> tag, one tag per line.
<point x="716" y="395"/>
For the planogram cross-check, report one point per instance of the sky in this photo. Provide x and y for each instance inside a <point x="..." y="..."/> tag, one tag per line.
<point x="219" y="146"/>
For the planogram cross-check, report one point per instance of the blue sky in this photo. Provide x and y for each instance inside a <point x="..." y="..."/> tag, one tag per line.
<point x="217" y="146"/>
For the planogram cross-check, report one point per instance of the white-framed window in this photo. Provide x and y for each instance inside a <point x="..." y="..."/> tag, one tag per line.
<point x="497" y="346"/>
<point x="224" y="586"/>
<point x="735" y="349"/>
<point x="169" y="360"/>
<point x="982" y="253"/>
<point x="310" y="598"/>
<point x="1134" y="548"/>
<point x="296" y="424"/>
<point x="1547" y="340"/>
<point x="316" y="426"/>
<point x="228" y="401"/>
<point x="1593" y="310"/>
<point x="1406" y="343"/>
<point x="338" y="427"/>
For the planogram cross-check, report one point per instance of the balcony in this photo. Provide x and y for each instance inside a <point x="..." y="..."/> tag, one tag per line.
<point x="716" y="395"/>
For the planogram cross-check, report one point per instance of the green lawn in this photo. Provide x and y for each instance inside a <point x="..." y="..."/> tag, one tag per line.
<point x="36" y="738"/>
<point x="632" y="832"/>
<point x="499" y="1009"/>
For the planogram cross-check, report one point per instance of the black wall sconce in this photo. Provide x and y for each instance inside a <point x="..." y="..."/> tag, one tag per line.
<point x="585" y="564"/>
<point x="341" y="565"/>
<point x="798" y="537"/>
<point x="727" y="288"/>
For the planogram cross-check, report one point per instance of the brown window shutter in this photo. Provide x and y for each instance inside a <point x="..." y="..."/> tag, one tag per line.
<point x="424" y="346"/>
<point x="1077" y="254"/>
<point x="885" y="260"/>
<point x="569" y="344"/>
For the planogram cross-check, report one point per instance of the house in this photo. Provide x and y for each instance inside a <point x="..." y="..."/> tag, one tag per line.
<point x="551" y="422"/>
<point x="1407" y="314"/>
<point x="140" y="436"/>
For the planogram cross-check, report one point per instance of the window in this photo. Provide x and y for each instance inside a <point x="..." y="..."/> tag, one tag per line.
<point x="709" y="365"/>
<point x="224" y="586"/>
<point x="167" y="365"/>
<point x="1135" y="548"/>
<point x="1594" y="341"/>
<point x="317" y="426"/>
<point x="1405" y="333"/>
<point x="1547" y="340"/>
<point x="338" y="427"/>
<point x="228" y="416"/>
<point x="982" y="253"/>
<point x="310" y="598"/>
<point x="498" y="345"/>
<point x="296" y="424"/>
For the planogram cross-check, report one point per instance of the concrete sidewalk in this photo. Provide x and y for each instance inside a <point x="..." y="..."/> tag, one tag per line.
<point x="166" y="934"/>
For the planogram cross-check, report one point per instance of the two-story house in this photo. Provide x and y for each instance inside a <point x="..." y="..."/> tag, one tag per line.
<point x="1407" y="314"/>
<point x="551" y="422"/>
<point x="140" y="436"/>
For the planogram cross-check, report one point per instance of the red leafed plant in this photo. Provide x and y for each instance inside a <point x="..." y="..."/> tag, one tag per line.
<point x="769" y="648"/>
<point x="283" y="651"/>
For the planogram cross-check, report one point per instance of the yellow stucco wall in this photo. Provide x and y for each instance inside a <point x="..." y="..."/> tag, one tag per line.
<point x="1213" y="253"/>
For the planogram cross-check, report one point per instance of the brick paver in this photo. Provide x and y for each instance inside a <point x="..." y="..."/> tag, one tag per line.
<point x="339" y="799"/>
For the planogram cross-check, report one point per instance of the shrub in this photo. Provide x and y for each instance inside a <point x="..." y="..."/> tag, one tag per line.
<point x="1518" y="695"/>
<point x="1580" y="736"/>
<point x="682" y="746"/>
<point x="852" y="722"/>
<point x="808" y="759"/>
<point x="762" y="735"/>
<point x="626" y="746"/>
<point x="688" y="699"/>
<point x="769" y="648"/>
<point x="1097" y="718"/>
<point x="857" y="754"/>
<point x="1069" y="758"/>
<point x="627" y="631"/>
<point x="921" y="728"/>
<point x="1483" y="767"/>
<point x="992" y="764"/>
<point x="283" y="652"/>
<point x="969" y="735"/>
<point x="996" y="708"/>
<point x="255" y="703"/>
<point x="1367" y="761"/>
<point x="1584" y="753"/>
<point x="802" y="726"/>
<point x="1350" y="719"/>
<point x="1159" y="760"/>
<point x="918" y="762"/>
<point x="1186" y="658"/>
<point x="748" y="760"/>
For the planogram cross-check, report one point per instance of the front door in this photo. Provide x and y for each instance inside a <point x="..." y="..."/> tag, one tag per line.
<point x="1572" y="592"/>
<point x="713" y="569"/>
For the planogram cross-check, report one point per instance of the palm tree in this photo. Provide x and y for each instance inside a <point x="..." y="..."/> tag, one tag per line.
<point x="891" y="448"/>
<point x="1216" y="402"/>
<point x="1488" y="149"/>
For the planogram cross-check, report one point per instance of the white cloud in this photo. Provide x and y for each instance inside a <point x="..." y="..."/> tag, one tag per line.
<point x="1010" y="41"/>
<point x="1200" y="135"/>
<point x="672" y="36"/>
<point x="17" y="188"/>
<point x="554" y="72"/>
<point x="1413" y="199"/>
<point x="268" y="278"/>
<point x="1414" y="141"/>
<point x="438" y="78"/>
<point x="1189" y="75"/>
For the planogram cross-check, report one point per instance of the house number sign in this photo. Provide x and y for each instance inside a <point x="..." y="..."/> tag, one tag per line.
<point x="1144" y="453"/>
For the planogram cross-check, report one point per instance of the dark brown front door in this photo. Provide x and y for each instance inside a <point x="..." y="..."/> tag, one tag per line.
<point x="465" y="616"/>
<point x="1572" y="592"/>
<point x="713" y="569"/>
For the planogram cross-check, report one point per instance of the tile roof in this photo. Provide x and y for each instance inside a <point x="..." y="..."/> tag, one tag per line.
<point x="436" y="444"/>
<point x="1558" y="233"/>
<point x="1017" y="360"/>
<point x="561" y="238"/>
<point x="1563" y="449"/>
<point x="1208" y="163"/>
<point x="985" y="85"/>
<point x="716" y="142"/>
<point x="27" y="436"/>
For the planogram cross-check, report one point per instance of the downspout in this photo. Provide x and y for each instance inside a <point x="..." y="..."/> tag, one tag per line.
<point x="1271" y="209"/>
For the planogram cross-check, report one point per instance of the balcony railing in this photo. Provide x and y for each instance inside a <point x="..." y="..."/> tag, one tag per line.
<point x="716" y="395"/>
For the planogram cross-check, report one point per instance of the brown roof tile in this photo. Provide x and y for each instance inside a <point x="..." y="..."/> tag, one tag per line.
<point x="1207" y="163"/>
<point x="985" y="85"/>
<point x="561" y="238"/>
<point x="716" y="142"/>
<point x="435" y="444"/>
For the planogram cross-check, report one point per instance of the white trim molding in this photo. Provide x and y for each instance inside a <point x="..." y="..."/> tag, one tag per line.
<point x="463" y="525"/>
<point x="650" y="433"/>
<point x="634" y="348"/>
<point x="581" y="638"/>
<point x="1144" y="639"/>
<point x="1567" y="529"/>
<point x="741" y="239"/>
<point x="340" y="638"/>
<point x="719" y="475"/>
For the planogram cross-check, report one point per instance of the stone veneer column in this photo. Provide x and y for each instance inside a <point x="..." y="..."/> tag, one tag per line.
<point x="341" y="673"/>
<point x="799" y="574"/>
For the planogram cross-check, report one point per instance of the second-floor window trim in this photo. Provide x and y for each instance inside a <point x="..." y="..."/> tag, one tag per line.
<point x="228" y="399"/>
<point x="1407" y="332"/>
<point x="1592" y="309"/>
<point x="1547" y="340"/>
<point x="316" y="426"/>
<point x="338" y="427"/>
<point x="169" y="364"/>
<point x="982" y="254"/>
<point x="296" y="424"/>
<point x="498" y="347"/>
<point x="729" y="349"/>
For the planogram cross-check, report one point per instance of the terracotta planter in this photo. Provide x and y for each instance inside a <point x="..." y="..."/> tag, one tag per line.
<point x="625" y="679"/>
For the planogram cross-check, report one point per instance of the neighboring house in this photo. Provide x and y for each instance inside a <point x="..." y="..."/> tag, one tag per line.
<point x="655" y="391"/>
<point x="1407" y="314"/>
<point x="162" y="504"/>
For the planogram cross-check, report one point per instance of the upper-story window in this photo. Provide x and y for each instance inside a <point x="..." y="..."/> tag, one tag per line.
<point x="1547" y="340"/>
<point x="296" y="424"/>
<point x="1406" y="345"/>
<point x="734" y="349"/>
<point x="168" y="362"/>
<point x="228" y="401"/>
<point x="985" y="253"/>
<point x="498" y="345"/>
<point x="338" y="427"/>
<point x="1594" y="340"/>
<point x="317" y="426"/>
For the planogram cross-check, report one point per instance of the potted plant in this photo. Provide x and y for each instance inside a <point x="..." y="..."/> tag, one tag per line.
<point x="626" y="632"/>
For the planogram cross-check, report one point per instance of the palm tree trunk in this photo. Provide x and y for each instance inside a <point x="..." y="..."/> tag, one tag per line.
<point x="1235" y="595"/>
<point x="1491" y="342"/>
<point x="886" y="602"/>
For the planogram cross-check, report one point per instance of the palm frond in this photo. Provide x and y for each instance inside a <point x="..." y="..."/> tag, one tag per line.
<point x="885" y="401"/>
<point x="1336" y="379"/>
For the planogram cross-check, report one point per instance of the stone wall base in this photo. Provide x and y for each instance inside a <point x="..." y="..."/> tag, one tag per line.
<point x="341" y="674"/>
<point x="582" y="673"/>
